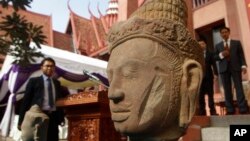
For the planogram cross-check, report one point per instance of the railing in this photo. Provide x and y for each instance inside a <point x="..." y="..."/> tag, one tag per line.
<point x="198" y="3"/>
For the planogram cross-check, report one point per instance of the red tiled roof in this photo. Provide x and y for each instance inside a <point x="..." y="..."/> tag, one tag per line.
<point x="63" y="41"/>
<point x="84" y="33"/>
<point x="37" y="19"/>
<point x="101" y="30"/>
<point x="54" y="38"/>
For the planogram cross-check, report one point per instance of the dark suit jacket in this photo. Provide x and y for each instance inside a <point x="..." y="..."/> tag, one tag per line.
<point x="210" y="67"/>
<point x="237" y="57"/>
<point x="34" y="94"/>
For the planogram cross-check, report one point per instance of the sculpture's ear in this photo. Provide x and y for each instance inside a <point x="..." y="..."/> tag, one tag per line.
<point x="190" y="85"/>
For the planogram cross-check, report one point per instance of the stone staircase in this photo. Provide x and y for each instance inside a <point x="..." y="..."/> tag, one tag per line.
<point x="213" y="128"/>
<point x="215" y="134"/>
<point x="219" y="127"/>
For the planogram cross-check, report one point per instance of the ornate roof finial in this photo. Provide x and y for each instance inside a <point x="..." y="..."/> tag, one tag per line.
<point x="113" y="7"/>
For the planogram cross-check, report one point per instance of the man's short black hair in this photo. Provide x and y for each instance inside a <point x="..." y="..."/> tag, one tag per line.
<point x="228" y="29"/>
<point x="48" y="59"/>
<point x="202" y="39"/>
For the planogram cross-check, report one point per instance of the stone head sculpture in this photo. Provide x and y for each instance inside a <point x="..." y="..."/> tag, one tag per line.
<point x="155" y="70"/>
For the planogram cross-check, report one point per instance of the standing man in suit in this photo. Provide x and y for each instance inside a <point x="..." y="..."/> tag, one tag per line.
<point x="232" y="63"/>
<point x="207" y="81"/>
<point x="44" y="91"/>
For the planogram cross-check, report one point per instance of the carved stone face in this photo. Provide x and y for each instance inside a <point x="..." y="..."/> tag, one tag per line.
<point x="141" y="98"/>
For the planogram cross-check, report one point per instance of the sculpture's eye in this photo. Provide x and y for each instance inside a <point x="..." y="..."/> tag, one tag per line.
<point x="130" y="71"/>
<point x="128" y="74"/>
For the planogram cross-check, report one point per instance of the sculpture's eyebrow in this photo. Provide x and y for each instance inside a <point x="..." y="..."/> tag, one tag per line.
<point x="135" y="61"/>
<point x="132" y="63"/>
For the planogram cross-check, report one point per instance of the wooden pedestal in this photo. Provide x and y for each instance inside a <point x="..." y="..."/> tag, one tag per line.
<point x="88" y="117"/>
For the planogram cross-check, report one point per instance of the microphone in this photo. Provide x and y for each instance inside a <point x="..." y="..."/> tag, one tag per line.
<point x="91" y="76"/>
<point x="94" y="78"/>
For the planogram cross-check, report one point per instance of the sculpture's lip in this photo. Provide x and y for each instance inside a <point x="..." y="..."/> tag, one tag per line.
<point x="119" y="110"/>
<point x="120" y="115"/>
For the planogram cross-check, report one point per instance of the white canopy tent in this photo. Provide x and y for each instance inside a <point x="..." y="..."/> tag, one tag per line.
<point x="70" y="67"/>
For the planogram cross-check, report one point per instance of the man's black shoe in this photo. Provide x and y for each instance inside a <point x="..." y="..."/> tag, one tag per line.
<point x="214" y="114"/>
<point x="244" y="112"/>
<point x="202" y="113"/>
<point x="230" y="113"/>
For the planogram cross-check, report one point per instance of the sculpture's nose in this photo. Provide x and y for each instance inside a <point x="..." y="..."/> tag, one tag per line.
<point x="115" y="94"/>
